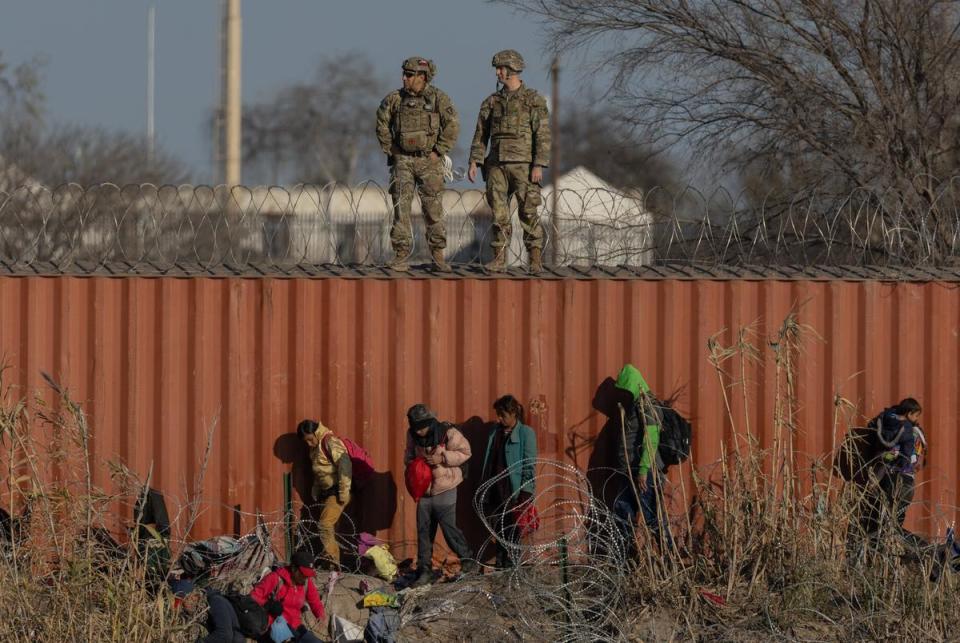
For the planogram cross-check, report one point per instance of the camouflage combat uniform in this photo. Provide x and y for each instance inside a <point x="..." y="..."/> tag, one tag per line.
<point x="410" y="127"/>
<point x="517" y="126"/>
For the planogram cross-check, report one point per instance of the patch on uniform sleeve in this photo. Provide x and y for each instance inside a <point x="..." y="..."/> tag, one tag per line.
<point x="451" y="111"/>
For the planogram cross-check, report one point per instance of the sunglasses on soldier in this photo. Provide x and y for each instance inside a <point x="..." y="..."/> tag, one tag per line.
<point x="411" y="74"/>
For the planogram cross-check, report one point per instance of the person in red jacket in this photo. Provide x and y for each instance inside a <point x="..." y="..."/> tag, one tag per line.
<point x="289" y="589"/>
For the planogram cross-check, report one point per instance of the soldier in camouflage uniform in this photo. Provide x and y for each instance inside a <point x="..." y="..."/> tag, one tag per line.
<point x="416" y="127"/>
<point x="515" y="121"/>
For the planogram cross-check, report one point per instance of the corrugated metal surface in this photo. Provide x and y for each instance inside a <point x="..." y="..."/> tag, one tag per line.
<point x="156" y="360"/>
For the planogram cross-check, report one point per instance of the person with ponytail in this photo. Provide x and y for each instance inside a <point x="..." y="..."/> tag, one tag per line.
<point x="889" y="489"/>
<point x="510" y="458"/>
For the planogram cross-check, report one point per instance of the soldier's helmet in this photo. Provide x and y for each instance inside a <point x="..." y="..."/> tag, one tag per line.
<point x="509" y="58"/>
<point x="424" y="65"/>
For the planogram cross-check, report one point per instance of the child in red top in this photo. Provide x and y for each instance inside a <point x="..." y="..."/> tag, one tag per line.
<point x="286" y="591"/>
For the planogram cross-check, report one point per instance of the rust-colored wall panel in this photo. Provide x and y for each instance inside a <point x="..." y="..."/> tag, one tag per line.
<point x="156" y="361"/>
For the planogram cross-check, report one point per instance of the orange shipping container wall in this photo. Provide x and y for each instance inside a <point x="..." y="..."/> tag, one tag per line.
<point x="155" y="361"/>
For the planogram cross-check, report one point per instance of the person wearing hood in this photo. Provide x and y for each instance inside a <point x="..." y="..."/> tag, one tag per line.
<point x="639" y="461"/>
<point x="285" y="591"/>
<point x="332" y="480"/>
<point x="446" y="450"/>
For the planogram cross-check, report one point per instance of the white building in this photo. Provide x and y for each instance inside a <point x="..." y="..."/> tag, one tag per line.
<point x="597" y="224"/>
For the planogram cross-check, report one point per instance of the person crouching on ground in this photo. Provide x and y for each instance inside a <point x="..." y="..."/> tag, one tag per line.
<point x="445" y="449"/>
<point x="332" y="479"/>
<point x="512" y="446"/>
<point x="285" y="591"/>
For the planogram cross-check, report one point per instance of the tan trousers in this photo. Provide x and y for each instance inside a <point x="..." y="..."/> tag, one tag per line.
<point x="330" y="513"/>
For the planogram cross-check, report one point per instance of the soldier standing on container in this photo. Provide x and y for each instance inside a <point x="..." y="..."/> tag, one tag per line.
<point x="516" y="123"/>
<point x="416" y="126"/>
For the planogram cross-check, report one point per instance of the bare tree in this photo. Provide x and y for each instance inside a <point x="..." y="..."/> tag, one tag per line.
<point x="21" y="97"/>
<point x="88" y="156"/>
<point x="833" y="95"/>
<point x="32" y="148"/>
<point x="601" y="140"/>
<point x="317" y="132"/>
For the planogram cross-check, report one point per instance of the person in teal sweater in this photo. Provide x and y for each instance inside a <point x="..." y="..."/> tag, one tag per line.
<point x="639" y="460"/>
<point x="511" y="448"/>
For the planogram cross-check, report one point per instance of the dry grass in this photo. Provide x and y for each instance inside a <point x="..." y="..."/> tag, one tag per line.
<point x="62" y="577"/>
<point x="768" y="536"/>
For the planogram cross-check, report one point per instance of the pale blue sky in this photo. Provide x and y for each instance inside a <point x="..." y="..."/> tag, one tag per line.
<point x="95" y="52"/>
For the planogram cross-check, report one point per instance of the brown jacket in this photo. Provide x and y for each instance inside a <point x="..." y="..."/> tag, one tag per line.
<point x="454" y="449"/>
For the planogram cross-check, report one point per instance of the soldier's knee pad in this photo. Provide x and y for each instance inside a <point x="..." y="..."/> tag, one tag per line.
<point x="532" y="198"/>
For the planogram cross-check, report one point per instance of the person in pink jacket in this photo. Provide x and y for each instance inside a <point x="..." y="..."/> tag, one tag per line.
<point x="286" y="590"/>
<point x="445" y="449"/>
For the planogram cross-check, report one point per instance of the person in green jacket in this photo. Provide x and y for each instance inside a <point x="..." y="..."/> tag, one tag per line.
<point x="638" y="459"/>
<point x="511" y="448"/>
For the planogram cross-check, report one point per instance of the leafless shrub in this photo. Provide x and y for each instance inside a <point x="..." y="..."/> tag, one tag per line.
<point x="811" y="96"/>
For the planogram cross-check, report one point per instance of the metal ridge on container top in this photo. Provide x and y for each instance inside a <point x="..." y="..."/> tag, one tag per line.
<point x="661" y="270"/>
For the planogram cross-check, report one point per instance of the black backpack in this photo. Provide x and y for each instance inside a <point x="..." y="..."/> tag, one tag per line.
<point x="250" y="615"/>
<point x="675" y="434"/>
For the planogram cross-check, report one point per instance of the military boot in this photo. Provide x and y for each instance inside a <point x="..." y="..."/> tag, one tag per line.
<point x="499" y="261"/>
<point x="442" y="265"/>
<point x="536" y="260"/>
<point x="401" y="256"/>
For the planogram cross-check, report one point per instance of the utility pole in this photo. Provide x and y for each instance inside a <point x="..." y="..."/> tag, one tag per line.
<point x="151" y="80"/>
<point x="231" y="93"/>
<point x="555" y="154"/>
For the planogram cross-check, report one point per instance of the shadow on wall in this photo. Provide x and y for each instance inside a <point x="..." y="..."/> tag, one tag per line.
<point x="290" y="449"/>
<point x="601" y="467"/>
<point x="477" y="431"/>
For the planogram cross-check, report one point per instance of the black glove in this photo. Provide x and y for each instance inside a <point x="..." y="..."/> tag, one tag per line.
<point x="274" y="607"/>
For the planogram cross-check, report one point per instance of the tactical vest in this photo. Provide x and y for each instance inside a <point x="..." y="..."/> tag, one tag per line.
<point x="416" y="122"/>
<point x="510" y="134"/>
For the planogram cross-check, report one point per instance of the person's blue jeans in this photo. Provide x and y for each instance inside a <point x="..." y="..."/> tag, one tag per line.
<point x="650" y="504"/>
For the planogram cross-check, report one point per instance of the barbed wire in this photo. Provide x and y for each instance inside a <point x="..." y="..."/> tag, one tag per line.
<point x="77" y="229"/>
<point x="572" y="566"/>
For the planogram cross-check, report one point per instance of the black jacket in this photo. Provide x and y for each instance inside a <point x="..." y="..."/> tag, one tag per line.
<point x="222" y="624"/>
<point x="632" y="432"/>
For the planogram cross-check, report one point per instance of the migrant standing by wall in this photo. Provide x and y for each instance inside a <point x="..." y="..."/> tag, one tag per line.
<point x="284" y="593"/>
<point x="332" y="480"/>
<point x="516" y="123"/>
<point x="445" y="449"/>
<point x="888" y="489"/>
<point x="639" y="461"/>
<point x="511" y="446"/>
<point x="417" y="126"/>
